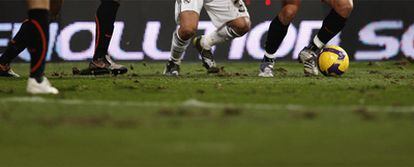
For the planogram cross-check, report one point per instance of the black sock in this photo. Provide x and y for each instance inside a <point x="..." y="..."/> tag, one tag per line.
<point x="105" y="19"/>
<point x="38" y="41"/>
<point x="275" y="36"/>
<point x="332" y="25"/>
<point x="16" y="45"/>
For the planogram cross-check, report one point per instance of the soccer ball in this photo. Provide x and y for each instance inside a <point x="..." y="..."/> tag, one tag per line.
<point x="333" y="61"/>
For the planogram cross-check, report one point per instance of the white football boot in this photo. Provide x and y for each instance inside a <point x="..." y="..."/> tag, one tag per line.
<point x="308" y="57"/>
<point x="266" y="69"/>
<point x="33" y="87"/>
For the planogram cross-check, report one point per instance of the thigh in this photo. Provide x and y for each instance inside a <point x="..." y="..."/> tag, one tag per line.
<point x="187" y="6"/>
<point x="223" y="11"/>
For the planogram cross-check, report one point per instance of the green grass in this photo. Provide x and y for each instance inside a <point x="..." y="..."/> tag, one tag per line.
<point x="365" y="118"/>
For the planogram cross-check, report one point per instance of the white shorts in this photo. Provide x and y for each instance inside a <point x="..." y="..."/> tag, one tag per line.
<point x="220" y="11"/>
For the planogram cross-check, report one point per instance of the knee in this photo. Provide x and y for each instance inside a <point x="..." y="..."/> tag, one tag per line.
<point x="40" y="4"/>
<point x="241" y="26"/>
<point x="344" y="9"/>
<point x="288" y="13"/>
<point x="187" y="32"/>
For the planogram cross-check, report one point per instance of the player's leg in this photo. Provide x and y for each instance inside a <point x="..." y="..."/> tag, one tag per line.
<point x="55" y="7"/>
<point x="234" y="29"/>
<point x="332" y="25"/>
<point x="18" y="43"/>
<point x="232" y="20"/>
<point x="105" y="19"/>
<point x="335" y="21"/>
<point x="37" y="39"/>
<point x="14" y="48"/>
<point x="277" y="31"/>
<point x="187" y="15"/>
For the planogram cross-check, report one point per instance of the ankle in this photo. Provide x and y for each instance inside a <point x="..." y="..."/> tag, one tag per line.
<point x="39" y="79"/>
<point x="4" y="67"/>
<point x="267" y="59"/>
<point x="175" y="61"/>
<point x="313" y="47"/>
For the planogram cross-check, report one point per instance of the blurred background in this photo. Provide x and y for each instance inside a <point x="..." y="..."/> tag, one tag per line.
<point x="377" y="30"/>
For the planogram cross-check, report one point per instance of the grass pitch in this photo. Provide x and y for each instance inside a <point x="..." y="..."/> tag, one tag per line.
<point x="365" y="118"/>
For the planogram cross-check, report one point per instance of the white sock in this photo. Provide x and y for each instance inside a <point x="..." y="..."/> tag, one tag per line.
<point x="318" y="43"/>
<point x="178" y="47"/>
<point x="219" y="36"/>
<point x="270" y="56"/>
